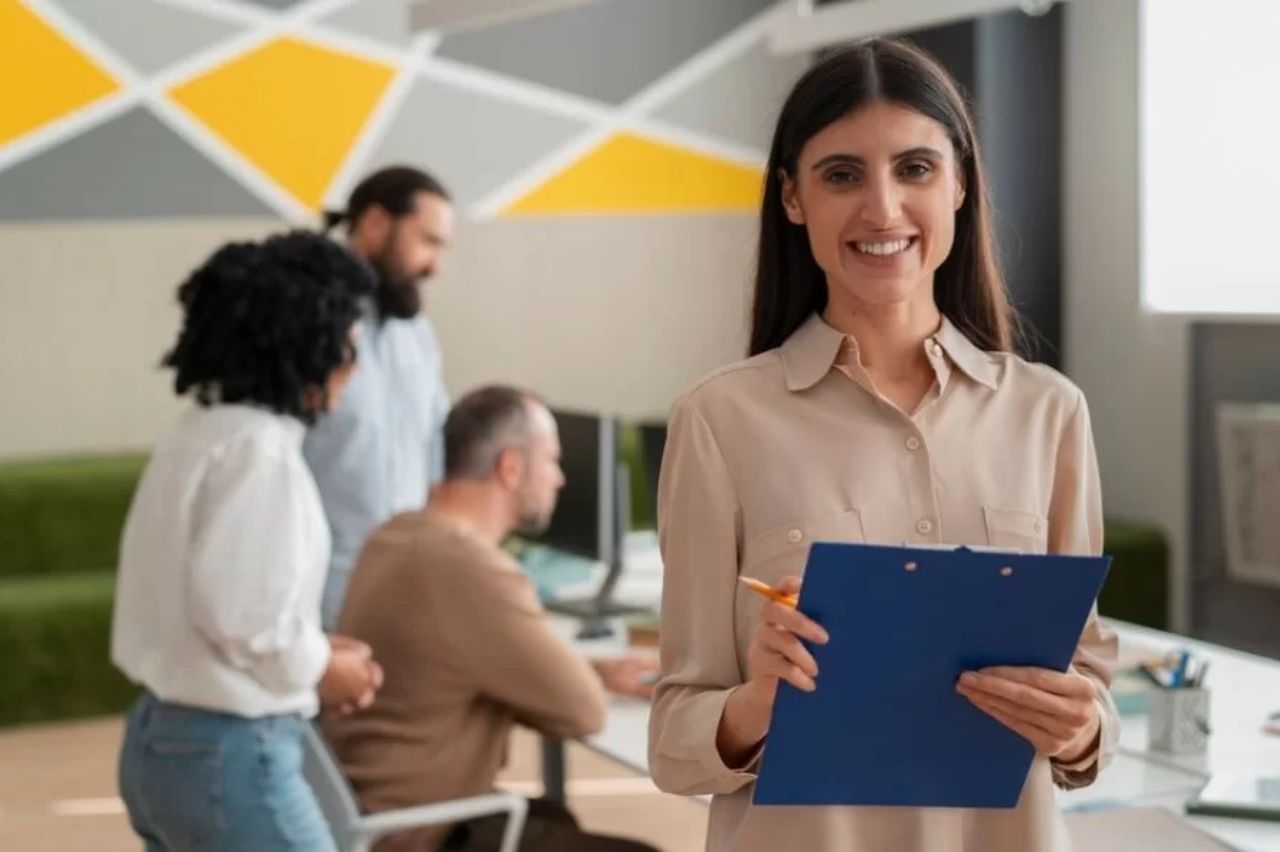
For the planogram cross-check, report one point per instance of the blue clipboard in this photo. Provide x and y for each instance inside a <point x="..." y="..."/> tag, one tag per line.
<point x="886" y="726"/>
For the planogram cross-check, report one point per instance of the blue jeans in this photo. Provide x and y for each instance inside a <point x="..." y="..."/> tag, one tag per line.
<point x="198" y="780"/>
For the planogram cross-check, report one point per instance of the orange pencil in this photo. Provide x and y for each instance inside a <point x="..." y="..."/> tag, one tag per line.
<point x="769" y="592"/>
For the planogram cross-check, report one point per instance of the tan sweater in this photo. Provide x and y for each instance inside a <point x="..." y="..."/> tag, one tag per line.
<point x="467" y="651"/>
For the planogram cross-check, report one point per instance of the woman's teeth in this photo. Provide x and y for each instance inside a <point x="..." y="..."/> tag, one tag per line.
<point x="884" y="249"/>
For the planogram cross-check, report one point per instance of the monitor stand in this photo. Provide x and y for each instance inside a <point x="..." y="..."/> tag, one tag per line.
<point x="595" y="611"/>
<point x="594" y="617"/>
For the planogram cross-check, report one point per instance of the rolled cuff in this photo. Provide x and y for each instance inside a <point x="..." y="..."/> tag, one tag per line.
<point x="689" y="763"/>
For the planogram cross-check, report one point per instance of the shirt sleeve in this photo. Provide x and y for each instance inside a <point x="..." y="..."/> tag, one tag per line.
<point x="248" y="564"/>
<point x="699" y="529"/>
<point x="499" y="633"/>
<point x="1075" y="526"/>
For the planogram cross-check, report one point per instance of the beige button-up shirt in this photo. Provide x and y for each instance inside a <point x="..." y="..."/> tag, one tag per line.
<point x="795" y="445"/>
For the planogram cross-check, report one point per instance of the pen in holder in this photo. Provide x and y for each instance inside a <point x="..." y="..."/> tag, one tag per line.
<point x="1178" y="720"/>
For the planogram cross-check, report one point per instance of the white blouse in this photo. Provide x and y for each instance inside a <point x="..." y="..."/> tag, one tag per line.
<point x="222" y="567"/>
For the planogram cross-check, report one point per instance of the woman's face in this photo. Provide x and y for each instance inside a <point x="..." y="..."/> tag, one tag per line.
<point x="878" y="192"/>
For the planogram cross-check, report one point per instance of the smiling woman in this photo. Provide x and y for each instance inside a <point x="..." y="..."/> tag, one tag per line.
<point x="877" y="153"/>
<point x="877" y="220"/>
<point x="881" y="403"/>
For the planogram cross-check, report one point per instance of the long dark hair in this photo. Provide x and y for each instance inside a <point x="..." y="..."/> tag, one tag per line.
<point x="969" y="285"/>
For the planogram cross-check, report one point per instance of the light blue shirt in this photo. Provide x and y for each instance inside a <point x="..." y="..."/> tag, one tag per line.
<point x="380" y="451"/>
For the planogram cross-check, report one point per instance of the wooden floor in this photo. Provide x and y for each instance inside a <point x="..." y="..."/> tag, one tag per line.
<point x="58" y="792"/>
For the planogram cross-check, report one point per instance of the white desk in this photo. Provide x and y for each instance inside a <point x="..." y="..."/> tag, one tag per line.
<point x="1244" y="689"/>
<point x="625" y="736"/>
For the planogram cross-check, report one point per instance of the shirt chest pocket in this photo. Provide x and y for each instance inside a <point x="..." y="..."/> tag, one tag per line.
<point x="771" y="555"/>
<point x="1015" y="529"/>
<point x="782" y="550"/>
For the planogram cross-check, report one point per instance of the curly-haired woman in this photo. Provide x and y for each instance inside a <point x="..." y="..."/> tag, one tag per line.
<point x="224" y="554"/>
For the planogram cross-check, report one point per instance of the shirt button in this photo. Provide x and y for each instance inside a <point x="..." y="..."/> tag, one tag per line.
<point x="913" y="443"/>
<point x="924" y="526"/>
<point x="1039" y="527"/>
<point x="794" y="536"/>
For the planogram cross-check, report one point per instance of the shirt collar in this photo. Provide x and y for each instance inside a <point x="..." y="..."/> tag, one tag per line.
<point x="811" y="351"/>
<point x="965" y="354"/>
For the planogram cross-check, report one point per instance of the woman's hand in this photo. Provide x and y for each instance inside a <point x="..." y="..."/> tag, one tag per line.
<point x="352" y="677"/>
<point x="775" y="654"/>
<point x="1056" y="712"/>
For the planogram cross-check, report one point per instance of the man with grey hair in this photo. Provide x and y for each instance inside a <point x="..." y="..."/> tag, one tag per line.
<point x="466" y="648"/>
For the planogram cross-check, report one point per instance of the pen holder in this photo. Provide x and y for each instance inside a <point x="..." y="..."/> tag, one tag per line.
<point x="1178" y="720"/>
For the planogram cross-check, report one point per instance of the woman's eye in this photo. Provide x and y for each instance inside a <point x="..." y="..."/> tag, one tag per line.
<point x="916" y="170"/>
<point x="841" y="177"/>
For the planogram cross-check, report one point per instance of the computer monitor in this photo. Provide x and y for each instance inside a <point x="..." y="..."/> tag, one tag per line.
<point x="593" y="511"/>
<point x="583" y="522"/>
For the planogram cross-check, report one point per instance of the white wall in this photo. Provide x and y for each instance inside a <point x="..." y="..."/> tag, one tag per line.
<point x="612" y="313"/>
<point x="86" y="312"/>
<point x="1133" y="366"/>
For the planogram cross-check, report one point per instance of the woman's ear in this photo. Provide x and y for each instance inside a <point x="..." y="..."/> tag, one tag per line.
<point x="959" y="191"/>
<point x="790" y="200"/>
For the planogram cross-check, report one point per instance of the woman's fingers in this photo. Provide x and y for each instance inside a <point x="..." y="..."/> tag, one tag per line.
<point x="788" y="618"/>
<point x="1055" y="711"/>
<point x="1039" y="739"/>
<point x="789" y="585"/>
<point x="791" y="649"/>
<point x="1069" y="684"/>
<point x="776" y="665"/>
<point x="1027" y="691"/>
<point x="778" y="654"/>
<point x="1051" y="725"/>
<point x="778" y="651"/>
